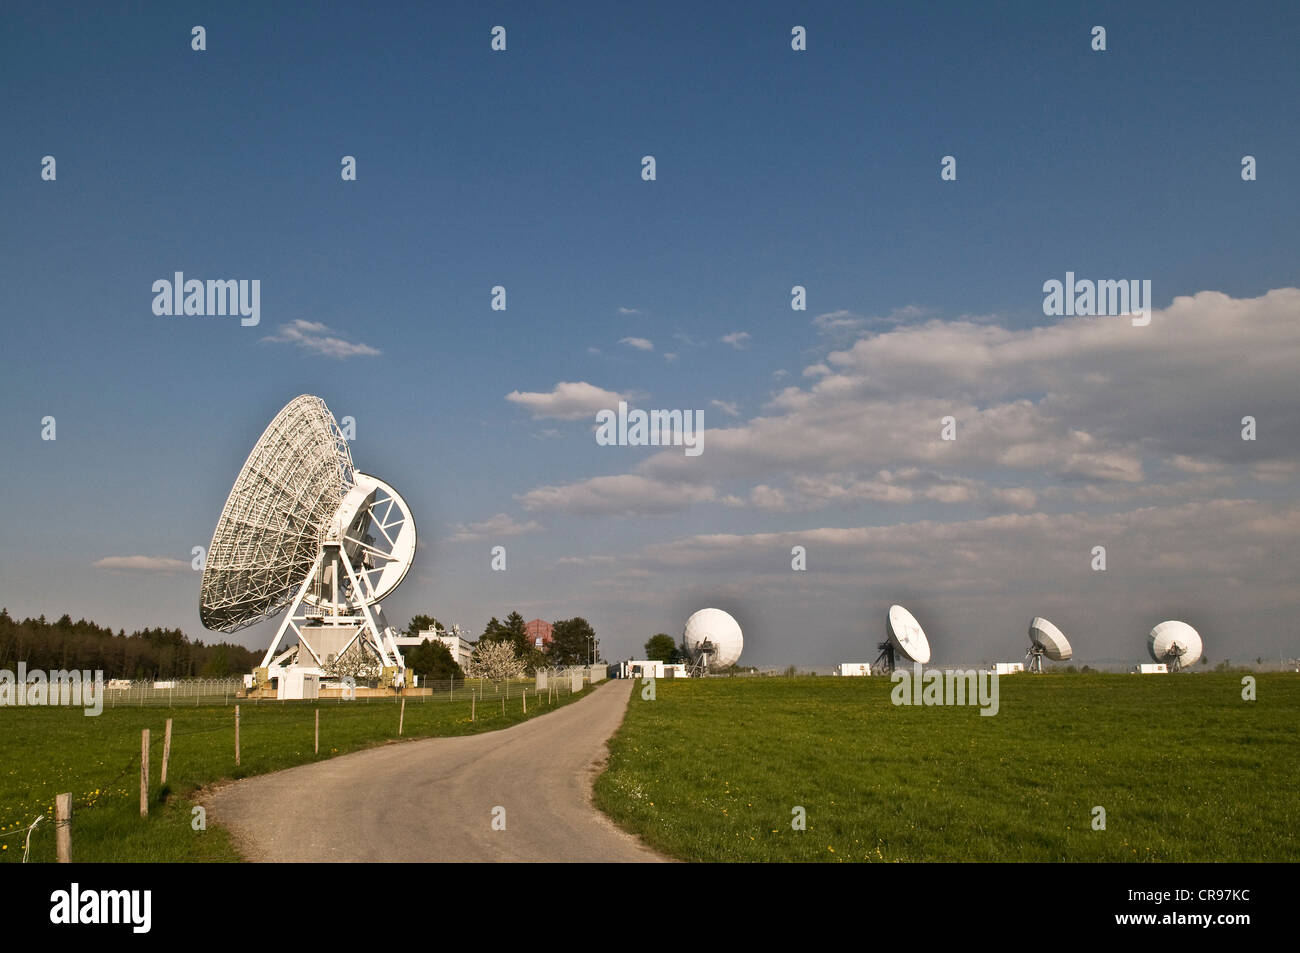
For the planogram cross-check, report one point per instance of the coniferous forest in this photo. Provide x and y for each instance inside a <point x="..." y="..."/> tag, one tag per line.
<point x="145" y="653"/>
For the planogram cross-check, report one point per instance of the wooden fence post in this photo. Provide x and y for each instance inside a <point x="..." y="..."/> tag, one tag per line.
<point x="144" y="772"/>
<point x="63" y="827"/>
<point x="167" y="751"/>
<point x="236" y="736"/>
<point x="524" y="695"/>
<point x="471" y="706"/>
<point x="401" y="719"/>
<point x="318" y="731"/>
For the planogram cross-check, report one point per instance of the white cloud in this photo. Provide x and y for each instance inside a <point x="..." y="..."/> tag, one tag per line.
<point x="844" y="324"/>
<point x="163" y="564"/>
<point x="1086" y="409"/>
<point x="728" y="407"/>
<point x="629" y="311"/>
<point x="737" y="339"/>
<point x="625" y="494"/>
<point x="494" y="527"/>
<point x="1083" y="400"/>
<point x="316" y="338"/>
<point x="641" y="344"/>
<point x="1191" y="551"/>
<point x="568" y="400"/>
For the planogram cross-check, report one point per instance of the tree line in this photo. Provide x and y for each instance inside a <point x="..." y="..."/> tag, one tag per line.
<point x="146" y="653"/>
<point x="159" y="653"/>
<point x="573" y="642"/>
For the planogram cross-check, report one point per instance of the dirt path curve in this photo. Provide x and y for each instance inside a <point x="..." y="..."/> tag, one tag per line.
<point x="433" y="800"/>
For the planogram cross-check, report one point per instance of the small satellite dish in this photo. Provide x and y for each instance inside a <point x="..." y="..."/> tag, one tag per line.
<point x="1047" y="640"/>
<point x="303" y="528"/>
<point x="906" y="637"/>
<point x="712" y="640"/>
<point x="1176" y="644"/>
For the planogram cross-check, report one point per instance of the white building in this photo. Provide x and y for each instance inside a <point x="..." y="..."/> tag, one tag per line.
<point x="1156" y="668"/>
<point x="645" y="668"/>
<point x="298" y="683"/>
<point x="854" y="668"/>
<point x="457" y="645"/>
<point x="1008" y="668"/>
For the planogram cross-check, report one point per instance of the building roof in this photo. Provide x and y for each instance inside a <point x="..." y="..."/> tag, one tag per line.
<point x="539" y="629"/>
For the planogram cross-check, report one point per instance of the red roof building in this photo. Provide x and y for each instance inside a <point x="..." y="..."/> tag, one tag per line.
<point x="539" y="634"/>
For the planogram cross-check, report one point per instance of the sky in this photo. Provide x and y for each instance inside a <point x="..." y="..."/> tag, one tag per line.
<point x="774" y="168"/>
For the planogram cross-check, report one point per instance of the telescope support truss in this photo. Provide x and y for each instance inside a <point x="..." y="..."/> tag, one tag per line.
<point x="354" y="611"/>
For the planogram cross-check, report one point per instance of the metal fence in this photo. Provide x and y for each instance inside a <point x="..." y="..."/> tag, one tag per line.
<point x="181" y="691"/>
<point x="224" y="691"/>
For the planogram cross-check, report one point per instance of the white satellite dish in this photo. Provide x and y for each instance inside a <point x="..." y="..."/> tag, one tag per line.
<point x="712" y="640"/>
<point x="906" y="637"/>
<point x="1176" y="644"/>
<point x="1047" y="640"/>
<point x="302" y="527"/>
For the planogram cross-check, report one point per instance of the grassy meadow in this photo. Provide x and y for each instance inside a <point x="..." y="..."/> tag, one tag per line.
<point x="47" y="751"/>
<point x="1186" y="770"/>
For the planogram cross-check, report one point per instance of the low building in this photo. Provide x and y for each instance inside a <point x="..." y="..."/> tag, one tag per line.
<point x="645" y="668"/>
<point x="1156" y="668"/>
<point x="1008" y="668"/>
<point x="854" y="668"/>
<point x="457" y="645"/>
<point x="540" y="634"/>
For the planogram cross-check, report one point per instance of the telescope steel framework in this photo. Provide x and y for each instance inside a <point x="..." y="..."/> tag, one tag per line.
<point x="303" y="527"/>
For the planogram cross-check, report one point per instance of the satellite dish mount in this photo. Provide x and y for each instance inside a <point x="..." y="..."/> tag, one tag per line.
<point x="337" y="609"/>
<point x="701" y="660"/>
<point x="885" y="660"/>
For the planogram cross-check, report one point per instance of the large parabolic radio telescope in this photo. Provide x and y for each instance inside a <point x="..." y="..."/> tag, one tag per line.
<point x="303" y="528"/>
<point x="712" y="640"/>
<point x="1176" y="644"/>
<point x="1046" y="640"/>
<point x="906" y="637"/>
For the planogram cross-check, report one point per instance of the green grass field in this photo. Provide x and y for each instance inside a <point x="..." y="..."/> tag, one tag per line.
<point x="1186" y="770"/>
<point x="47" y="751"/>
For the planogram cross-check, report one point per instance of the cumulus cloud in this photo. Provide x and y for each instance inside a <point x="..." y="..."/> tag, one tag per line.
<point x="728" y="407"/>
<point x="1089" y="410"/>
<point x="641" y="344"/>
<point x="737" y="339"/>
<point x="492" y="528"/>
<point x="146" y="564"/>
<point x="316" y="338"/>
<point x="1085" y="399"/>
<point x="568" y="400"/>
<point x="1219" y="539"/>
<point x="625" y="494"/>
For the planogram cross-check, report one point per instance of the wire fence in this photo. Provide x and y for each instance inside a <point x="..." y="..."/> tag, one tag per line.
<point x="196" y="692"/>
<point x="181" y="691"/>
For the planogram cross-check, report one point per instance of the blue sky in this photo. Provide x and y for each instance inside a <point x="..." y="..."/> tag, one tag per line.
<point x="775" y="168"/>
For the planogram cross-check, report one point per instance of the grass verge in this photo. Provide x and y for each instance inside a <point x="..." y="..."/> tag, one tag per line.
<point x="1186" y="770"/>
<point x="45" y="751"/>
